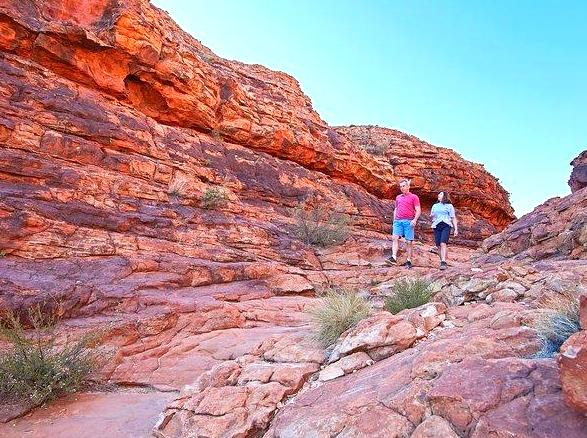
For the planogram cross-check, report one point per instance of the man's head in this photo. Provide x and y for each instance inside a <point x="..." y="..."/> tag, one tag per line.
<point x="404" y="185"/>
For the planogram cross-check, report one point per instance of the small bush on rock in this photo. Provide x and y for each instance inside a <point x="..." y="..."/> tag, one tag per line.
<point x="36" y="369"/>
<point x="320" y="227"/>
<point x="408" y="294"/>
<point x="212" y="198"/>
<point x="557" y="321"/>
<point x="337" y="311"/>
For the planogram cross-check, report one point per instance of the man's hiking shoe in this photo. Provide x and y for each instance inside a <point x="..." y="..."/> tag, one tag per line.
<point x="443" y="266"/>
<point x="391" y="261"/>
<point x="408" y="264"/>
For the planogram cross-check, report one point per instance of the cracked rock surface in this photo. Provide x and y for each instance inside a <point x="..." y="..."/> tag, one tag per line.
<point x="147" y="187"/>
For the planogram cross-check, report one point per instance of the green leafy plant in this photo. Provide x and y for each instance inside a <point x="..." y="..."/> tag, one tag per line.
<point x="212" y="198"/>
<point x="408" y="294"/>
<point x="337" y="311"/>
<point x="36" y="368"/>
<point x="319" y="226"/>
<point x="557" y="320"/>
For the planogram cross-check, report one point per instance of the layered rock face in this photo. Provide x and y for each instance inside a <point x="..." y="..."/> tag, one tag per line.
<point x="146" y="188"/>
<point x="578" y="178"/>
<point x="134" y="77"/>
<point x="555" y="229"/>
<point x="482" y="204"/>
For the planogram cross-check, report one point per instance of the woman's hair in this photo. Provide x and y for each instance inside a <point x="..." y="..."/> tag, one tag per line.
<point x="446" y="197"/>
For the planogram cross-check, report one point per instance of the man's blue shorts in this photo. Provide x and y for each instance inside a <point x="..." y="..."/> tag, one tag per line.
<point x="403" y="228"/>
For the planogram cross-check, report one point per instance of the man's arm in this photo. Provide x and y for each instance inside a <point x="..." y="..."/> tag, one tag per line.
<point x="394" y="208"/>
<point x="418" y="213"/>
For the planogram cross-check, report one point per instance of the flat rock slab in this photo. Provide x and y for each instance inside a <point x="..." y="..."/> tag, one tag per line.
<point x="184" y="358"/>
<point x="87" y="415"/>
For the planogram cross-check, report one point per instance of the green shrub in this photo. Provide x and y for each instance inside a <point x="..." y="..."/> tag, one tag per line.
<point x="336" y="312"/>
<point x="557" y="320"/>
<point x="320" y="227"/>
<point x="36" y="369"/>
<point x="408" y="294"/>
<point x="212" y="198"/>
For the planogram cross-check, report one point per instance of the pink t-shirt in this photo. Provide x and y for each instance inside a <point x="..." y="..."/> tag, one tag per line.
<point x="405" y="206"/>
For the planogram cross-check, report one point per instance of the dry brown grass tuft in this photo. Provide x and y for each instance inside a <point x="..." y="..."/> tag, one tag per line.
<point x="337" y="311"/>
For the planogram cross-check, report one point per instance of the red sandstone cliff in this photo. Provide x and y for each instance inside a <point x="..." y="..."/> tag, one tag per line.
<point x="115" y="123"/>
<point x="132" y="55"/>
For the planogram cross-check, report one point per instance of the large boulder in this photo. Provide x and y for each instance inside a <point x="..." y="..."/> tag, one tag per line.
<point x="573" y="363"/>
<point x="468" y="377"/>
<point x="578" y="178"/>
<point x="556" y="230"/>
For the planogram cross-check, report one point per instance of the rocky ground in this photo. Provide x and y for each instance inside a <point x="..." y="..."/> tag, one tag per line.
<point x="460" y="367"/>
<point x="245" y="364"/>
<point x="148" y="188"/>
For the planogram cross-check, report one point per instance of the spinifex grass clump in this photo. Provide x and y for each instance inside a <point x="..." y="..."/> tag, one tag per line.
<point x="35" y="368"/>
<point x="557" y="321"/>
<point x="319" y="226"/>
<point x="337" y="311"/>
<point x="179" y="186"/>
<point x="408" y="294"/>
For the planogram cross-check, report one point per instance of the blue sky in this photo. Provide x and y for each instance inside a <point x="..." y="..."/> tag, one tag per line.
<point x="501" y="82"/>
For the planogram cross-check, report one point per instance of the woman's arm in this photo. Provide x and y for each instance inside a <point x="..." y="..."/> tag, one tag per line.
<point x="455" y="223"/>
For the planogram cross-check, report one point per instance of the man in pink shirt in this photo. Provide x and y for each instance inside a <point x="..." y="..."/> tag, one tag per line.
<point x="405" y="215"/>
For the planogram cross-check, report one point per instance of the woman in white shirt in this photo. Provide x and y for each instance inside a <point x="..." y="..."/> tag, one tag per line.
<point x="444" y="221"/>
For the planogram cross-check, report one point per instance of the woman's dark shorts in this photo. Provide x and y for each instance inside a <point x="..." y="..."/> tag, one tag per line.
<point x="441" y="233"/>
